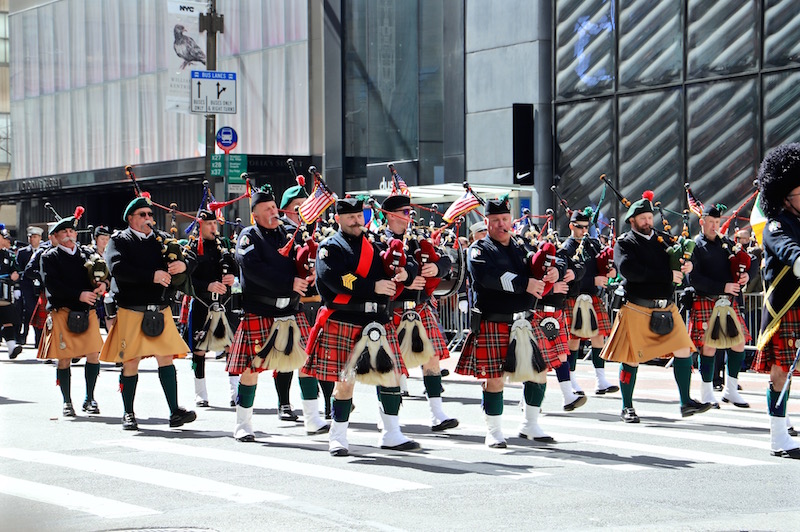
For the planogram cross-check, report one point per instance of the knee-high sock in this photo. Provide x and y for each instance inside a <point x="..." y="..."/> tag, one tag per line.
<point x="199" y="366"/>
<point x="533" y="393"/>
<point x="127" y="386"/>
<point x="91" y="371"/>
<point x="562" y="372"/>
<point x="719" y="364"/>
<point x="596" y="360"/>
<point x="682" y="369"/>
<point x="493" y="403"/>
<point x="706" y="368"/>
<point x="63" y="377"/>
<point x="247" y="395"/>
<point x="735" y="359"/>
<point x="627" y="382"/>
<point x="283" y="382"/>
<point x="169" y="382"/>
<point x="308" y="388"/>
<point x="572" y="358"/>
<point x="772" y="399"/>
<point x="341" y="409"/>
<point x="433" y="385"/>
<point x="391" y="398"/>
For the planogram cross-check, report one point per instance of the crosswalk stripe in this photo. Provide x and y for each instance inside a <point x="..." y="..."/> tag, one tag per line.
<point x="147" y="475"/>
<point x="71" y="499"/>
<point x="377" y="482"/>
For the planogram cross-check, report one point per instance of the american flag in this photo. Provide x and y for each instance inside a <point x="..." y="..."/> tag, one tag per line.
<point x="695" y="205"/>
<point x="399" y="186"/>
<point x="320" y="199"/>
<point x="462" y="206"/>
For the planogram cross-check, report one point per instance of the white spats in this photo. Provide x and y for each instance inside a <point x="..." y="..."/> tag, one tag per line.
<point x="530" y="428"/>
<point x="313" y="422"/>
<point x="337" y="438"/>
<point x="244" y="427"/>
<point x="707" y="393"/>
<point x="200" y="392"/>
<point x="494" y="432"/>
<point x="780" y="441"/>
<point x="391" y="437"/>
<point x="731" y="393"/>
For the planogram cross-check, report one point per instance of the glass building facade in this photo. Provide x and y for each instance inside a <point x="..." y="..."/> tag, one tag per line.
<point x="655" y="94"/>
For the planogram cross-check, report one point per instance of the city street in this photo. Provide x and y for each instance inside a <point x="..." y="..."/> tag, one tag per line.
<point x="709" y="472"/>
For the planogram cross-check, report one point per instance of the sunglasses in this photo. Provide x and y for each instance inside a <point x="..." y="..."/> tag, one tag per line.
<point x="145" y="214"/>
<point x="580" y="226"/>
<point x="404" y="212"/>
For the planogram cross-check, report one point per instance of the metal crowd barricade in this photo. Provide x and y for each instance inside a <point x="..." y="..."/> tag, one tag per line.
<point x="751" y="310"/>
<point x="454" y="320"/>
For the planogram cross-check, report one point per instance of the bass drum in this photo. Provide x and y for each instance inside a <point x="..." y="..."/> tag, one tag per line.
<point x="454" y="279"/>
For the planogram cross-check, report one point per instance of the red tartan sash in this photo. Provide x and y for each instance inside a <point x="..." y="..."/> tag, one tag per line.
<point x="362" y="270"/>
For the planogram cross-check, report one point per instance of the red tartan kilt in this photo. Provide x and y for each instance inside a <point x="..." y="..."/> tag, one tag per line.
<point x="701" y="313"/>
<point x="484" y="354"/>
<point x="781" y="348"/>
<point x="328" y="357"/>
<point x="39" y="316"/>
<point x="603" y="320"/>
<point x="254" y="330"/>
<point x="431" y="328"/>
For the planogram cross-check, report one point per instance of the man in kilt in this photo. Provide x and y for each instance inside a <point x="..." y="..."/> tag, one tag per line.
<point x="583" y="293"/>
<point x="414" y="298"/>
<point x="643" y="329"/>
<point x="356" y="290"/>
<point x="101" y="238"/>
<point x="72" y="329"/>
<point x="716" y="288"/>
<point x="271" y="291"/>
<point x="142" y="281"/>
<point x="211" y="281"/>
<point x="28" y="291"/>
<point x="779" y="187"/>
<point x="502" y="286"/>
<point x="33" y="271"/>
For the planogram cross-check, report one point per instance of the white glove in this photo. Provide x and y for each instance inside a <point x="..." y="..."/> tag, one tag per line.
<point x="796" y="268"/>
<point x="17" y="294"/>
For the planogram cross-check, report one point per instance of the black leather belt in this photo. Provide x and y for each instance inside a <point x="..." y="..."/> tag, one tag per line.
<point x="145" y="308"/>
<point x="538" y="306"/>
<point x="280" y="303"/>
<point x="368" y="307"/>
<point x="500" y="318"/>
<point x="649" y="303"/>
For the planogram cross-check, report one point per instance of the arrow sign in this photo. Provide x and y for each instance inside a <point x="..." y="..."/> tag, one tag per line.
<point x="216" y="92"/>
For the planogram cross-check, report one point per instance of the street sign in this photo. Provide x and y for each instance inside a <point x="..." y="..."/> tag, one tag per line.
<point x="227" y="139"/>
<point x="237" y="165"/>
<point x="236" y="188"/>
<point x="217" y="165"/>
<point x="213" y="92"/>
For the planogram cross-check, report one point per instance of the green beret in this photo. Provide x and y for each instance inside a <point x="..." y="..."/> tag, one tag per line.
<point x="638" y="207"/>
<point x="293" y="193"/>
<point x="136" y="203"/>
<point x="64" y="223"/>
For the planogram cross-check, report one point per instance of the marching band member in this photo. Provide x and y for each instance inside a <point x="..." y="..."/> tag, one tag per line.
<point x="142" y="282"/>
<point x="274" y="327"/>
<point x="28" y="288"/>
<point x="212" y="278"/>
<point x="72" y="330"/>
<point x="503" y="287"/>
<point x="414" y="302"/>
<point x="648" y="325"/>
<point x="716" y="321"/>
<point x="353" y="337"/>
<point x="779" y="187"/>
<point x="9" y="275"/>
<point x="586" y="313"/>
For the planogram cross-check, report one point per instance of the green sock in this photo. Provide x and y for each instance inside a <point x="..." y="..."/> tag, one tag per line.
<point x="127" y="386"/>
<point x="493" y="403"/>
<point x="772" y="399"/>
<point x="627" y="382"/>
<point x="390" y="399"/>
<point x="91" y="371"/>
<point x="308" y="388"/>
<point x="682" y="369"/>
<point x="341" y="409"/>
<point x="63" y="381"/>
<point x="433" y="385"/>
<point x="707" y="368"/>
<point x="572" y="358"/>
<point x="596" y="360"/>
<point x="247" y="395"/>
<point x="533" y="393"/>
<point x="169" y="382"/>
<point x="735" y="359"/>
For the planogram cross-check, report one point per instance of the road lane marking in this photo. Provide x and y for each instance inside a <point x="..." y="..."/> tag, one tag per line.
<point x="146" y="475"/>
<point x="71" y="499"/>
<point x="377" y="482"/>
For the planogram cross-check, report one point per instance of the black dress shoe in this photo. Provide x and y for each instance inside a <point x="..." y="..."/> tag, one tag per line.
<point x="609" y="389"/>
<point x="181" y="417"/>
<point x="629" y="415"/>
<point x="740" y="405"/>
<point x="202" y="403"/>
<point x="791" y="453"/>
<point x="339" y="452"/>
<point x="499" y="445"/>
<point x="410" y="445"/>
<point x="15" y="352"/>
<point x="579" y="392"/>
<point x="285" y="413"/>
<point x="322" y="430"/>
<point x="68" y="410"/>
<point x="247" y="438"/>
<point x="540" y="439"/>
<point x="90" y="407"/>
<point x="129" y="422"/>
<point x="405" y="393"/>
<point x="694" y="407"/>
<point x="233" y="403"/>
<point x="791" y="431"/>
<point x="445" y="372"/>
<point x="444" y="425"/>
<point x="580" y="401"/>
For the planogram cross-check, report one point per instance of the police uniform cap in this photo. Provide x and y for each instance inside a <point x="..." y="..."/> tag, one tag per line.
<point x="477" y="227"/>
<point x="33" y="230"/>
<point x="101" y="230"/>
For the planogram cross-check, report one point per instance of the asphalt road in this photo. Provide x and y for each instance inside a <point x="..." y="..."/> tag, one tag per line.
<point x="709" y="472"/>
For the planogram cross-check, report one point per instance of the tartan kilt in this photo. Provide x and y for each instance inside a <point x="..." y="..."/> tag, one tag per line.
<point x="328" y="357"/>
<point x="701" y="313"/>
<point x="484" y="354"/>
<point x="603" y="320"/>
<point x="431" y="328"/>
<point x="556" y="350"/>
<point x="39" y="316"/>
<point x="252" y="330"/>
<point x="781" y="348"/>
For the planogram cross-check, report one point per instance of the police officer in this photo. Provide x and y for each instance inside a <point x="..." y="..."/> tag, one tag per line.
<point x="29" y="290"/>
<point x="142" y="281"/>
<point x="9" y="275"/>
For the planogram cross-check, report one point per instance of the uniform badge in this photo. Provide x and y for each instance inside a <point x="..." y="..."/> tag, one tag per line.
<point x="347" y="280"/>
<point x="244" y="241"/>
<point x="323" y="253"/>
<point x="507" y="281"/>
<point x="774" y="225"/>
<point x="475" y="253"/>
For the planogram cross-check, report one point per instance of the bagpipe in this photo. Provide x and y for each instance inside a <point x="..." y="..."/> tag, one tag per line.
<point x="95" y="264"/>
<point x="302" y="251"/>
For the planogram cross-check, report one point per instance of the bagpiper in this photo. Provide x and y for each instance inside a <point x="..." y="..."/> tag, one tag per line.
<point x="9" y="275"/>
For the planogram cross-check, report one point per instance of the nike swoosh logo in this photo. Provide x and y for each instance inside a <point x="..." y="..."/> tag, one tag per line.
<point x="520" y="176"/>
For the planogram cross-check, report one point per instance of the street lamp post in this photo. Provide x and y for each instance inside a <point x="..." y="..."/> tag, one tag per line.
<point x="211" y="22"/>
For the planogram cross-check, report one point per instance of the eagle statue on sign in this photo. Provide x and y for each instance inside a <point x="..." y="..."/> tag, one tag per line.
<point x="186" y="48"/>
